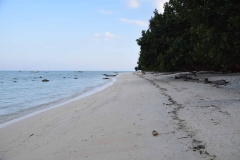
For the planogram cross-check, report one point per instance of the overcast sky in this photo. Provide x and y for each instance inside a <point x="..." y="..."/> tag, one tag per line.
<point x="86" y="35"/>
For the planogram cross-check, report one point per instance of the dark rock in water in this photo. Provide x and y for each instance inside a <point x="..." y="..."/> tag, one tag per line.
<point x="109" y="75"/>
<point x="64" y="77"/>
<point x="40" y="77"/>
<point x="14" y="81"/>
<point x="75" y="78"/>
<point x="45" y="80"/>
<point x="105" y="78"/>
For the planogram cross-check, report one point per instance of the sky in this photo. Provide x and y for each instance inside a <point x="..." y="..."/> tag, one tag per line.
<point x="66" y="35"/>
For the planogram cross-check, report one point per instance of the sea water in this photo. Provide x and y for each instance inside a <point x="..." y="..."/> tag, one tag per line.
<point x="23" y="92"/>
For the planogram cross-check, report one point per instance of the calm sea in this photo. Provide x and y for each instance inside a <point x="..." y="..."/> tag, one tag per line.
<point x="22" y="93"/>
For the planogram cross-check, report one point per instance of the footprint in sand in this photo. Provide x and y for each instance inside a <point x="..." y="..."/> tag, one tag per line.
<point x="139" y="134"/>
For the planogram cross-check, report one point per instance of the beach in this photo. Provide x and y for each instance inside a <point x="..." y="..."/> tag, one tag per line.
<point x="194" y="120"/>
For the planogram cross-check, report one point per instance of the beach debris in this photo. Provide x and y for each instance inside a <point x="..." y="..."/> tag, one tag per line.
<point x="154" y="133"/>
<point x="31" y="135"/>
<point x="220" y="82"/>
<point x="193" y="72"/>
<point x="217" y="82"/>
<point x="206" y="80"/>
<point x="183" y="77"/>
<point x="197" y="145"/>
<point x="182" y="137"/>
<point x="45" y="80"/>
<point x="206" y="72"/>
<point x="187" y="77"/>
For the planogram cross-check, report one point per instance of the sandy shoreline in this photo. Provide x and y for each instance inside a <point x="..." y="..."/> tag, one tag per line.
<point x="51" y="105"/>
<point x="194" y="121"/>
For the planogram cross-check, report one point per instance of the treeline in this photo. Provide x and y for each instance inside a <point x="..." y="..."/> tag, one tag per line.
<point x="192" y="35"/>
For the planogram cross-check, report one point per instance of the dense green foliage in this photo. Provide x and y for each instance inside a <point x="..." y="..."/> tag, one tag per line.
<point x="192" y="35"/>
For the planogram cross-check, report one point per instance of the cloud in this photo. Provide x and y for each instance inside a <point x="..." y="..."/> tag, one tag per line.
<point x="97" y="35"/>
<point x="103" y="36"/>
<point x="137" y="22"/>
<point x="133" y="3"/>
<point x="158" y="4"/>
<point x="105" y="12"/>
<point x="109" y="35"/>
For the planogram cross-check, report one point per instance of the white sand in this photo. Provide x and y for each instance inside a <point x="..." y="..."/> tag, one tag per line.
<point x="117" y="123"/>
<point x="208" y="113"/>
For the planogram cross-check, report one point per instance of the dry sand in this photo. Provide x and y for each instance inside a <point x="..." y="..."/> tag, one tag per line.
<point x="193" y="121"/>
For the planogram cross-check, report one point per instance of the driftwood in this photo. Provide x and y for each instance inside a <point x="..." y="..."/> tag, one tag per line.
<point x="185" y="77"/>
<point x="217" y="82"/>
<point x="194" y="73"/>
<point x="182" y="77"/>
